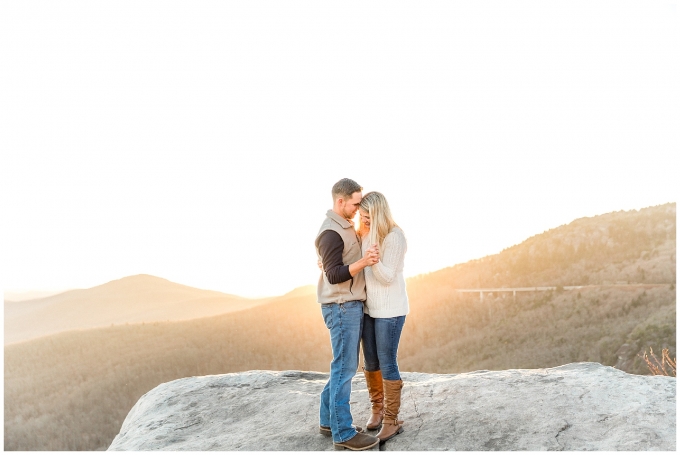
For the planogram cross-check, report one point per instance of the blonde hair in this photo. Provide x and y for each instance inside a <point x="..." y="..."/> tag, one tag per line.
<point x="381" y="218"/>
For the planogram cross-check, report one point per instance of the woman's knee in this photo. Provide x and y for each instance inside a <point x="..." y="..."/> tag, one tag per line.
<point x="390" y="372"/>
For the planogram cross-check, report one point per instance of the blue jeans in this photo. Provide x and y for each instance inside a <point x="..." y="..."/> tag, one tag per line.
<point x="344" y="320"/>
<point x="380" y="338"/>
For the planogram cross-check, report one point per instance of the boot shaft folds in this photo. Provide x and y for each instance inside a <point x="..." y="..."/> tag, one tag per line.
<point x="374" y="383"/>
<point x="391" y="425"/>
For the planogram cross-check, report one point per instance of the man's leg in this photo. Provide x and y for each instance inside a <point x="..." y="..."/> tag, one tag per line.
<point x="344" y="323"/>
<point x="324" y="408"/>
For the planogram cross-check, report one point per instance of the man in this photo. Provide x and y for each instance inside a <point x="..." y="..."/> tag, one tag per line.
<point x="342" y="292"/>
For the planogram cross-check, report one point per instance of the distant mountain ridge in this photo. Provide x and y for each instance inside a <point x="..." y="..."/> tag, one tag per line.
<point x="11" y="296"/>
<point x="133" y="299"/>
<point x="626" y="246"/>
<point x="635" y="246"/>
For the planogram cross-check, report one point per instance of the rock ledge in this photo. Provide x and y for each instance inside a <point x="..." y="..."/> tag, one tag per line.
<point x="579" y="406"/>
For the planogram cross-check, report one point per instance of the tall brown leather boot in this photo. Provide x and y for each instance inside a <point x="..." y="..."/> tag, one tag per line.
<point x="374" y="383"/>
<point x="391" y="426"/>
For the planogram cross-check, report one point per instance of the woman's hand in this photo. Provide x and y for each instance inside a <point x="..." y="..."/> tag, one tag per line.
<point x="372" y="256"/>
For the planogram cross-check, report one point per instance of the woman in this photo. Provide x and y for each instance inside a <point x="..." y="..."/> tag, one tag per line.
<point x="384" y="313"/>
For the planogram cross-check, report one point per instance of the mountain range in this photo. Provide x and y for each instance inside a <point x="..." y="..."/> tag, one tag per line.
<point x="130" y="300"/>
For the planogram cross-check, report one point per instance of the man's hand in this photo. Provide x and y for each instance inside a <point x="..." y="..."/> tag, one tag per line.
<point x="371" y="257"/>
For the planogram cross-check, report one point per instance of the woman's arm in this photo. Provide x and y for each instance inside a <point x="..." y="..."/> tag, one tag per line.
<point x="394" y="250"/>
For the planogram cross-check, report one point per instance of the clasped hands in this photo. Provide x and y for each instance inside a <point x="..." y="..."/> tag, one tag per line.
<point x="371" y="257"/>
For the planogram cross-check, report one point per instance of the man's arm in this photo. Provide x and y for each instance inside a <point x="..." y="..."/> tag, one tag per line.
<point x="358" y="266"/>
<point x="330" y="247"/>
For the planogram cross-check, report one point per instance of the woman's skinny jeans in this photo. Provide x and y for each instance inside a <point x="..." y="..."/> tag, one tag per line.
<point x="380" y="338"/>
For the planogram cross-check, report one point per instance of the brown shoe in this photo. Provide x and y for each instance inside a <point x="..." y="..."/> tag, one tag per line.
<point x="391" y="426"/>
<point x="374" y="383"/>
<point x="326" y="431"/>
<point x="360" y="441"/>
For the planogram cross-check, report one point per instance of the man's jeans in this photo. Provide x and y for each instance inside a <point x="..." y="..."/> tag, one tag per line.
<point x="381" y="340"/>
<point x="344" y="320"/>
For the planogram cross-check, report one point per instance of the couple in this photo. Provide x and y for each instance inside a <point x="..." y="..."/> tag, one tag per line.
<point x="362" y="293"/>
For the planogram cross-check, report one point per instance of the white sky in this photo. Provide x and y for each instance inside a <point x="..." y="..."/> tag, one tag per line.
<point x="198" y="141"/>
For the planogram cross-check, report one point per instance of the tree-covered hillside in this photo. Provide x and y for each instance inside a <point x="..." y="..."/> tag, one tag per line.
<point x="636" y="246"/>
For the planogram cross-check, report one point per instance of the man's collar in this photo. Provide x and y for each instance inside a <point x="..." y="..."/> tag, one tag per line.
<point x="344" y="223"/>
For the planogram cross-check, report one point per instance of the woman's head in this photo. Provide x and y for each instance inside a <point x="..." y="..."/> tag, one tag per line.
<point x="375" y="217"/>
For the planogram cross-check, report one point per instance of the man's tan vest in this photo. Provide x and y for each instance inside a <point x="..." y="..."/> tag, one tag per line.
<point x="354" y="289"/>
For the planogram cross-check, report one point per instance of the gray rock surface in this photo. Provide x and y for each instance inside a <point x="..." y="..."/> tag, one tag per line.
<point x="579" y="406"/>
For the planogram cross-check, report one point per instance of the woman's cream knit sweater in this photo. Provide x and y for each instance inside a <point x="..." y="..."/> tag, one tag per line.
<point x="385" y="285"/>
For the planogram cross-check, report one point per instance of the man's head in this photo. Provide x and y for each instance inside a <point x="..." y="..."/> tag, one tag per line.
<point x="346" y="198"/>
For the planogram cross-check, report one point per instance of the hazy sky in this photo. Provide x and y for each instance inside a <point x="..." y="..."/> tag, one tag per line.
<point x="198" y="141"/>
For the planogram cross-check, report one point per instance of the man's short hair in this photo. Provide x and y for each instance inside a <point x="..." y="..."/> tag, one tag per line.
<point x="345" y="188"/>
